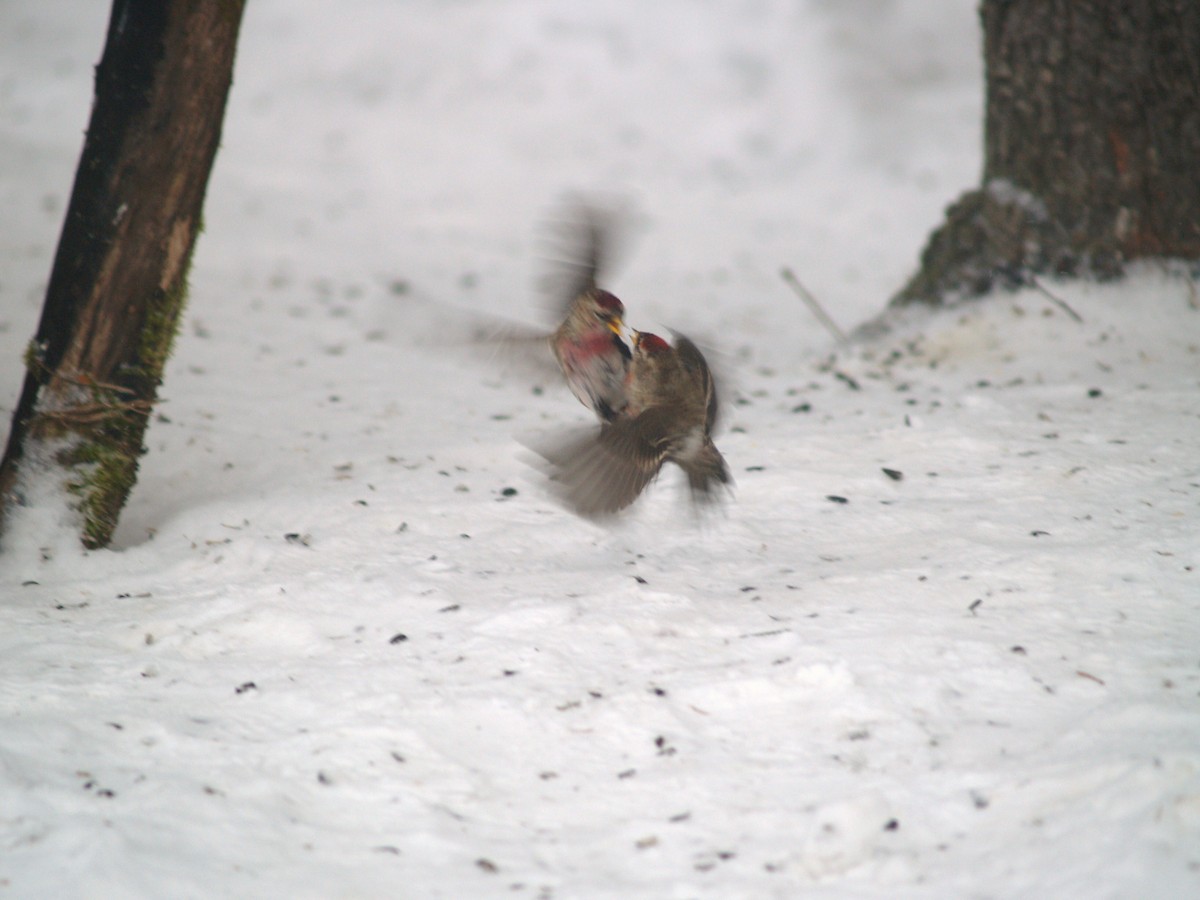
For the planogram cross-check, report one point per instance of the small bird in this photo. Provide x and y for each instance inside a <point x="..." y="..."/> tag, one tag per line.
<point x="589" y="344"/>
<point x="593" y="354"/>
<point x="670" y="411"/>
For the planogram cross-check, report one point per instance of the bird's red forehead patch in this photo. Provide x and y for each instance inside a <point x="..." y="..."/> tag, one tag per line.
<point x="609" y="303"/>
<point x="651" y="343"/>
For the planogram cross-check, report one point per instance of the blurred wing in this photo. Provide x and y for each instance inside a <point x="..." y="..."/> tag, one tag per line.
<point x="526" y="347"/>
<point x="601" y="474"/>
<point x="581" y="248"/>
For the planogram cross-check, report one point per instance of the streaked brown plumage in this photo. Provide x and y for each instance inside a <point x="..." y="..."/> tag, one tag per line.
<point x="669" y="416"/>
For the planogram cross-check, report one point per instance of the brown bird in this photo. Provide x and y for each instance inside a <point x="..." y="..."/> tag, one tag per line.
<point x="592" y="353"/>
<point x="671" y="408"/>
<point x="589" y="343"/>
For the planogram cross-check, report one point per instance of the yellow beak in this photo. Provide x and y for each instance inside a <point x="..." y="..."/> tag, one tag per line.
<point x="621" y="330"/>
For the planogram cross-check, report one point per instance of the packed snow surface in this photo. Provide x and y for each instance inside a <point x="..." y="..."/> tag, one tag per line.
<point x="943" y="641"/>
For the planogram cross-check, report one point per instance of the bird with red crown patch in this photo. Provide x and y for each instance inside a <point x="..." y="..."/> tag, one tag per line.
<point x="670" y="411"/>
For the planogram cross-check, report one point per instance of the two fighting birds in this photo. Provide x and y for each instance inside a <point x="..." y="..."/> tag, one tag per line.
<point x="656" y="401"/>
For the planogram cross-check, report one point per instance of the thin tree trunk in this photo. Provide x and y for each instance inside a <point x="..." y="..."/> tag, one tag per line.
<point x="1092" y="144"/>
<point x="118" y="283"/>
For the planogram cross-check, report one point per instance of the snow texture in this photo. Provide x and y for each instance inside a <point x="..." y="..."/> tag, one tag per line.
<point x="944" y="642"/>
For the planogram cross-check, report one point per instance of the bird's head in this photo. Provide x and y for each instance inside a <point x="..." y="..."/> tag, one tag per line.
<point x="650" y="344"/>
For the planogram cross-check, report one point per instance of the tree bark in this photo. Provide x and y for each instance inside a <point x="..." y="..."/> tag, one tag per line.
<point x="1092" y="143"/>
<point x="118" y="282"/>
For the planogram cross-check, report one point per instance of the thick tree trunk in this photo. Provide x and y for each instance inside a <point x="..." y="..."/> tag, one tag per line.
<point x="1092" y="147"/>
<point x="118" y="283"/>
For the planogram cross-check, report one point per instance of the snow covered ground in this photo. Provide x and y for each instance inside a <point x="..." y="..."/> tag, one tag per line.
<point x="347" y="645"/>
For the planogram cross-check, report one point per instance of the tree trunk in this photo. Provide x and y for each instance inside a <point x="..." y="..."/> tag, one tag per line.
<point x="119" y="279"/>
<point x="1092" y="147"/>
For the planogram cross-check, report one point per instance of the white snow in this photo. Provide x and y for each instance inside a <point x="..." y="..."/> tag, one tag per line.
<point x="330" y="657"/>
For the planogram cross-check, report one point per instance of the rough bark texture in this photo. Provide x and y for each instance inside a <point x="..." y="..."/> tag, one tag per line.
<point x="1092" y="143"/>
<point x="118" y="283"/>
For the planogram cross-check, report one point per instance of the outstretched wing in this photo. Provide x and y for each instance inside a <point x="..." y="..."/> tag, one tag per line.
<point x="581" y="242"/>
<point x="600" y="474"/>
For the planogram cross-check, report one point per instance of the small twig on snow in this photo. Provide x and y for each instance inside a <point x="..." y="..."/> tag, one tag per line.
<point x="804" y="294"/>
<point x="1057" y="301"/>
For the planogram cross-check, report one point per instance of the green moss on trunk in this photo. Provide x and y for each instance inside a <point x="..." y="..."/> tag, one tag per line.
<point x="104" y="457"/>
<point x="105" y="474"/>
